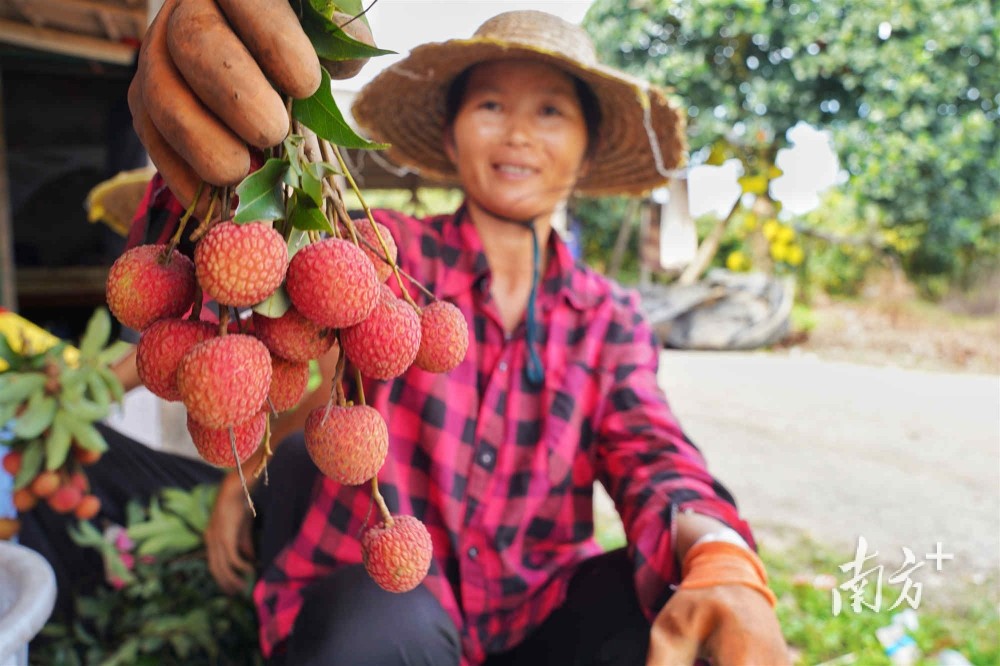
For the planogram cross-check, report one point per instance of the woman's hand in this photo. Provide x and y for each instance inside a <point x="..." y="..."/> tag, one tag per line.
<point x="728" y="624"/>
<point x="228" y="543"/>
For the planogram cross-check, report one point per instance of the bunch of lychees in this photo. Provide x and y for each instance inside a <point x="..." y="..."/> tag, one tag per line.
<point x="230" y="376"/>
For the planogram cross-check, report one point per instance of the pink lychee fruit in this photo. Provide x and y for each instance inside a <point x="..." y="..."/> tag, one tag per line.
<point x="292" y="336"/>
<point x="444" y="337"/>
<point x="144" y="285"/>
<point x="240" y="264"/>
<point x="160" y="350"/>
<point x="371" y="246"/>
<point x="224" y="381"/>
<point x="397" y="556"/>
<point x="349" y="444"/>
<point x="288" y="383"/>
<point x="385" y="344"/>
<point x="332" y="283"/>
<point x="215" y="447"/>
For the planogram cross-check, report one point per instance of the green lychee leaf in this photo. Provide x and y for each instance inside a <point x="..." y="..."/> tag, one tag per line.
<point x="297" y="240"/>
<point x="113" y="383"/>
<point x="31" y="464"/>
<point x="329" y="40"/>
<point x="260" y="193"/>
<point x="96" y="335"/>
<point x="306" y="215"/>
<point x="320" y="114"/>
<point x="57" y="443"/>
<point x="274" y="305"/>
<point x="36" y="417"/>
<point x="7" y="353"/>
<point x="311" y="186"/>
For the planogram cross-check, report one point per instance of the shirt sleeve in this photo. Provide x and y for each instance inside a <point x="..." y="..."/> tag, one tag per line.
<point x="648" y="465"/>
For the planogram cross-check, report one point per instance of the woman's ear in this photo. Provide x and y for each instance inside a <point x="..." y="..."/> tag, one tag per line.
<point x="584" y="168"/>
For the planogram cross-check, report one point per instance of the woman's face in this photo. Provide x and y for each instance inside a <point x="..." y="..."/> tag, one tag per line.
<point x="518" y="139"/>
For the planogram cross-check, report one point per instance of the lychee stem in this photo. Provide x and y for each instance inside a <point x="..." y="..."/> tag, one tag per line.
<point x="371" y="219"/>
<point x="361" y="387"/>
<point x="223" y="322"/>
<point x="382" y="508"/>
<point x="262" y="465"/>
<point x="196" y="307"/>
<point x="176" y="238"/>
<point x="239" y="469"/>
<point x="206" y="223"/>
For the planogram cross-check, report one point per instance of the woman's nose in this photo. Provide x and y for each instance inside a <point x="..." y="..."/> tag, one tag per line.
<point x="518" y="130"/>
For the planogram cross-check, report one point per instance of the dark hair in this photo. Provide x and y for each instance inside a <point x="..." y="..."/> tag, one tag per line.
<point x="588" y="104"/>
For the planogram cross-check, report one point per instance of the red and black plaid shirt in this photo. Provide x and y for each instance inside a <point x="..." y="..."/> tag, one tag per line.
<point x="502" y="471"/>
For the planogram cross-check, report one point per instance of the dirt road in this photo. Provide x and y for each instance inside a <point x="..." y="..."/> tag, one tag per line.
<point x="903" y="458"/>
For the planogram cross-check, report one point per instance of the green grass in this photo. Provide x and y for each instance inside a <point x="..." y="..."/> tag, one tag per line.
<point x="963" y="617"/>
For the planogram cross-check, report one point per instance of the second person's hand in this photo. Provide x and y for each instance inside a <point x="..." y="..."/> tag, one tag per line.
<point x="228" y="543"/>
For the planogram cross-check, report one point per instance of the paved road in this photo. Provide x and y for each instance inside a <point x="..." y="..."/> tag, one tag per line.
<point x="900" y="457"/>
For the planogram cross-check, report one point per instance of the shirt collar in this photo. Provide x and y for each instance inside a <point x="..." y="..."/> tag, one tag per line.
<point x="465" y="265"/>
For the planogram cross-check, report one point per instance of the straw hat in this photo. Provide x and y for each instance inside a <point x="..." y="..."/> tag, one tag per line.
<point x="641" y="137"/>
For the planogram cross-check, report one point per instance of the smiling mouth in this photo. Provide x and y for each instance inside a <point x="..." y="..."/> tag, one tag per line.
<point x="515" y="170"/>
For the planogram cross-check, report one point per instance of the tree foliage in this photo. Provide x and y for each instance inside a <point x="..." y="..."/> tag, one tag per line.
<point x="909" y="89"/>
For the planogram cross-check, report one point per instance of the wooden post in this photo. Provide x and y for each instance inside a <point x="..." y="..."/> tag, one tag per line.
<point x="8" y="289"/>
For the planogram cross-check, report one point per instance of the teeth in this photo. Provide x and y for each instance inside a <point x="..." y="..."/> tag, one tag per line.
<point x="516" y="170"/>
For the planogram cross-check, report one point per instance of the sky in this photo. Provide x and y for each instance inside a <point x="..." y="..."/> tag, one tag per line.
<point x="810" y="166"/>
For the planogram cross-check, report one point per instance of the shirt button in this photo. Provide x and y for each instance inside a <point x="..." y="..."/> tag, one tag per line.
<point x="503" y="366"/>
<point x="486" y="457"/>
<point x="473" y="552"/>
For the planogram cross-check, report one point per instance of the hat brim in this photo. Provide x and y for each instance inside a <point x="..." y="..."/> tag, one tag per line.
<point x="640" y="141"/>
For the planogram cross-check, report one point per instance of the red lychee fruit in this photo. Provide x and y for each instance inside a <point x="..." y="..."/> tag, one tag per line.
<point x="12" y="462"/>
<point x="384" y="345"/>
<point x="444" y="337"/>
<point x="397" y="556"/>
<point x="215" y="447"/>
<point x="224" y="381"/>
<point x="240" y="264"/>
<point x="65" y="499"/>
<point x="288" y="383"/>
<point x="371" y="246"/>
<point x="24" y="500"/>
<point x="349" y="445"/>
<point x="292" y="336"/>
<point x="88" y="507"/>
<point x="78" y="480"/>
<point x="45" y="484"/>
<point x="160" y="350"/>
<point x="144" y="286"/>
<point x="333" y="283"/>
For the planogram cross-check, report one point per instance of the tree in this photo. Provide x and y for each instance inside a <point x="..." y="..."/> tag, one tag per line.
<point x="909" y="89"/>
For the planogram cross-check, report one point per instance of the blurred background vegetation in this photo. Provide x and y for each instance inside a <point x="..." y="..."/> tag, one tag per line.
<point x="907" y="89"/>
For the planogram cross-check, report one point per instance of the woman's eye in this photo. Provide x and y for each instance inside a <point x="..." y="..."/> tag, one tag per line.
<point x="489" y="105"/>
<point x="550" y="110"/>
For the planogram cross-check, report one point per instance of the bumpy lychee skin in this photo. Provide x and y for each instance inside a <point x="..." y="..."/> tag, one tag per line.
<point x="444" y="337"/>
<point x="333" y="283"/>
<point x="372" y="248"/>
<point x="143" y="286"/>
<point x="292" y="336"/>
<point x="160" y="350"/>
<point x="397" y="557"/>
<point x="349" y="445"/>
<point x="224" y="381"/>
<point x="288" y="383"/>
<point x="385" y="344"/>
<point x="214" y="446"/>
<point x="65" y="499"/>
<point x="240" y="264"/>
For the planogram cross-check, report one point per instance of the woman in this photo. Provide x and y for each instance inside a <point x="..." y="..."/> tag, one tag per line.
<point x="558" y="389"/>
